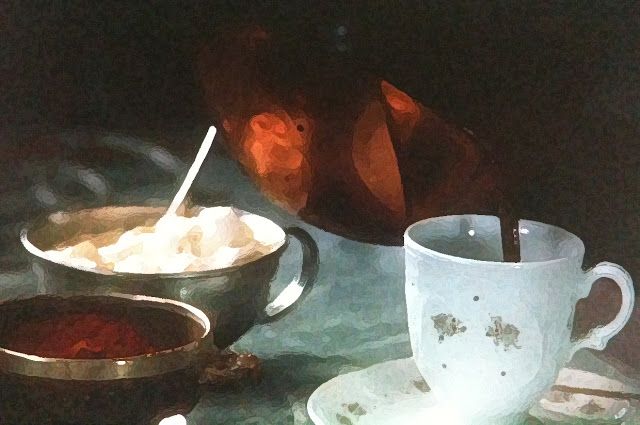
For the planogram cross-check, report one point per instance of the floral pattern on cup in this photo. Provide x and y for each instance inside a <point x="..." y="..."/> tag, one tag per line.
<point x="504" y="334"/>
<point x="447" y="325"/>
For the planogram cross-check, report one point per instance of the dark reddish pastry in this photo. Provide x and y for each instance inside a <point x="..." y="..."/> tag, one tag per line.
<point x="80" y="336"/>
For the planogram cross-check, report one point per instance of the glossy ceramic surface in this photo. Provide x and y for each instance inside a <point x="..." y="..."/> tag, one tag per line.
<point x="490" y="336"/>
<point x="394" y="393"/>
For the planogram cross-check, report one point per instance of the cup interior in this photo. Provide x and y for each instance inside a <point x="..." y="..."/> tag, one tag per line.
<point x="478" y="237"/>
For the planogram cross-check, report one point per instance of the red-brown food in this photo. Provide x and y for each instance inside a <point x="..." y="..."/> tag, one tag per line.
<point x="80" y="336"/>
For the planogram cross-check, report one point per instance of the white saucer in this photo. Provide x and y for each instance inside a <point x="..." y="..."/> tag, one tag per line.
<point x="394" y="393"/>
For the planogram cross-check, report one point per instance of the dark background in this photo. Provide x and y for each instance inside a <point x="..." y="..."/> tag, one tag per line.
<point x="553" y="87"/>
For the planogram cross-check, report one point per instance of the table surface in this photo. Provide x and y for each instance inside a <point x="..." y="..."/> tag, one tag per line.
<point x="354" y="316"/>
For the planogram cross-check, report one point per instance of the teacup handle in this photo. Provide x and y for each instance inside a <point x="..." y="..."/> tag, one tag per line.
<point x="301" y="284"/>
<point x="598" y="338"/>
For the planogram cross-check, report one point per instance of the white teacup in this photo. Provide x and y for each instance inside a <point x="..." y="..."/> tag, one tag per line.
<point x="489" y="336"/>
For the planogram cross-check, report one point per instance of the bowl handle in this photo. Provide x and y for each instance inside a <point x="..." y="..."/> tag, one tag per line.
<point x="301" y="284"/>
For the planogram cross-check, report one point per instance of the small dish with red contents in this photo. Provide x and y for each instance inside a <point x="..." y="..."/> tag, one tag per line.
<point x="120" y="358"/>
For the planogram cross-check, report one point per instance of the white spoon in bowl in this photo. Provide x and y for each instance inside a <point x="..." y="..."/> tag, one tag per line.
<point x="192" y="173"/>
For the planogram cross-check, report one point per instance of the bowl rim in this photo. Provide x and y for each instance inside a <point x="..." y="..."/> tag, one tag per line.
<point x="113" y="368"/>
<point x="43" y="221"/>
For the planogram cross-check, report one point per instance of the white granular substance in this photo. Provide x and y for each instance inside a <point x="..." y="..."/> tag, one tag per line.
<point x="216" y="238"/>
